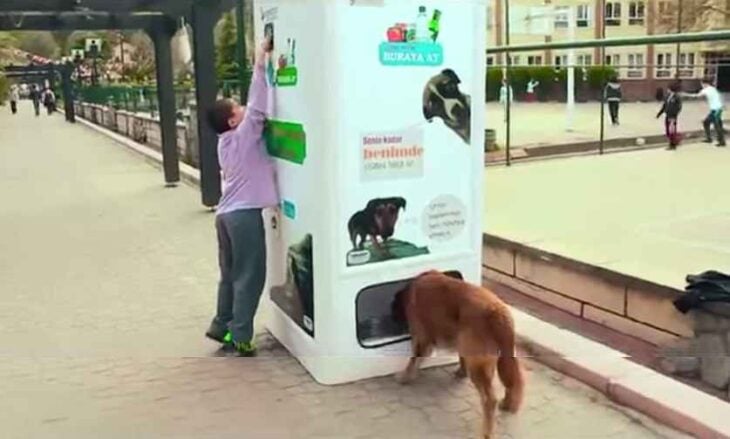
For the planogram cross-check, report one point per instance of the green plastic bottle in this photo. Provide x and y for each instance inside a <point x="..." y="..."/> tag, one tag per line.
<point x="434" y="26"/>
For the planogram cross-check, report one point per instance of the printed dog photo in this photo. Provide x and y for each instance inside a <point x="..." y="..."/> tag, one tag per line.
<point x="371" y="232"/>
<point x="296" y="296"/>
<point x="442" y="99"/>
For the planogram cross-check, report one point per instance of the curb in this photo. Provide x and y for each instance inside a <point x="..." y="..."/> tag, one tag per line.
<point x="668" y="401"/>
<point x="629" y="384"/>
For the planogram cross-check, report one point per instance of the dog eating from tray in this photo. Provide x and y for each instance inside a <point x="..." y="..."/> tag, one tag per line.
<point x="443" y="311"/>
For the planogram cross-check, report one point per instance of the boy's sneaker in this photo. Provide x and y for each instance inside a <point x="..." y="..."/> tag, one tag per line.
<point x="721" y="144"/>
<point x="221" y="337"/>
<point x="245" y="349"/>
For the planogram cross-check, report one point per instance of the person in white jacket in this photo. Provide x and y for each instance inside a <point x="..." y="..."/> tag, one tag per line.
<point x="14" y="99"/>
<point x="716" y="107"/>
<point x="503" y="92"/>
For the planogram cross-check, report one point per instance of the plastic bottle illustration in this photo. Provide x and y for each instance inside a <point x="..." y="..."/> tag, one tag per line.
<point x="422" y="32"/>
<point x="435" y="25"/>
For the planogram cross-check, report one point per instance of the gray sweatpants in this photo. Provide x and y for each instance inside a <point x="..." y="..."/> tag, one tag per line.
<point x="242" y="260"/>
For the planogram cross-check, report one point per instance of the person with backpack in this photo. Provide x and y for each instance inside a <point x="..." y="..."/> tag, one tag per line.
<point x="612" y="95"/>
<point x="671" y="108"/>
<point x="49" y="100"/>
<point x="35" y="96"/>
<point x="14" y="99"/>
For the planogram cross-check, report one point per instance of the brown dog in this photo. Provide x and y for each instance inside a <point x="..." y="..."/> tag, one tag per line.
<point x="447" y="312"/>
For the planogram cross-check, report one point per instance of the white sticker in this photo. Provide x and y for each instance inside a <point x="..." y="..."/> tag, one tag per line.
<point x="444" y="218"/>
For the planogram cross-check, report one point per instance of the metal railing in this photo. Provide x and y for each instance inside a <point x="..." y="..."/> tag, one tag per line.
<point x="602" y="43"/>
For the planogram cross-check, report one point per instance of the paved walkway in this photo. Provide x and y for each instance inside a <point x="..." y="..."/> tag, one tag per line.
<point x="544" y="124"/>
<point x="657" y="215"/>
<point x="106" y="284"/>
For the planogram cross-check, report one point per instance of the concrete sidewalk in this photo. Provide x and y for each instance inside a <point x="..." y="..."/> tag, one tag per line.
<point x="108" y="283"/>
<point x="656" y="215"/>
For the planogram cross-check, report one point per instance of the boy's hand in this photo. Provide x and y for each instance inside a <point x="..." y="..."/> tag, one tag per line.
<point x="267" y="46"/>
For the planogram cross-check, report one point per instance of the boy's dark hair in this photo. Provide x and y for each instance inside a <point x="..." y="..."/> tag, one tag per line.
<point x="707" y="80"/>
<point x="675" y="86"/>
<point x="220" y="114"/>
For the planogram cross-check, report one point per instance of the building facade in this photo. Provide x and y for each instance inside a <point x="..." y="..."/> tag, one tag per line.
<point x="642" y="69"/>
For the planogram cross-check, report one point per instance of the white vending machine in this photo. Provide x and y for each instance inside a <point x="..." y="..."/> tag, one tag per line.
<point x="379" y="155"/>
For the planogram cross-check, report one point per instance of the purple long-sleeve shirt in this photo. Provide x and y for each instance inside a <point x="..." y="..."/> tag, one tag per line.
<point x="249" y="180"/>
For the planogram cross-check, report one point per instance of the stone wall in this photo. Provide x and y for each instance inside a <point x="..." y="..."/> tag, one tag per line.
<point x="705" y="356"/>
<point x="142" y="128"/>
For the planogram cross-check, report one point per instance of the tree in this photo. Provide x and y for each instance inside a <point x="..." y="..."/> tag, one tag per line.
<point x="226" y="60"/>
<point x="39" y="43"/>
<point x="696" y="15"/>
<point x="7" y="40"/>
<point x="141" y="65"/>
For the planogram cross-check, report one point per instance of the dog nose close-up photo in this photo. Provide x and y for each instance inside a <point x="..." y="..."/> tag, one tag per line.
<point x="350" y="219"/>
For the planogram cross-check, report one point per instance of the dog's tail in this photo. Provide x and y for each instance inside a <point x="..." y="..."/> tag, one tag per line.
<point x="508" y="366"/>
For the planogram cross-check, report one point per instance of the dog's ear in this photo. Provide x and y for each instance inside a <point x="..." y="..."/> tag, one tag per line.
<point x="451" y="75"/>
<point x="372" y="205"/>
<point x="400" y="202"/>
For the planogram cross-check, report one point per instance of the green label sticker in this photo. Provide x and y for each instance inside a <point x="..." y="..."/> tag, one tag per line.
<point x="286" y="141"/>
<point x="289" y="209"/>
<point x="287" y="77"/>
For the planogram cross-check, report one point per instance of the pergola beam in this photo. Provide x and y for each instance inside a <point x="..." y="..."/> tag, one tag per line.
<point x="80" y="22"/>
<point x="169" y="7"/>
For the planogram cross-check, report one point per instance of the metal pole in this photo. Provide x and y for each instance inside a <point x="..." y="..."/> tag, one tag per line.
<point x="121" y="50"/>
<point x="679" y="31"/>
<point x="689" y="37"/>
<point x="603" y="83"/>
<point x="241" y="49"/>
<point x="570" y="97"/>
<point x="508" y="107"/>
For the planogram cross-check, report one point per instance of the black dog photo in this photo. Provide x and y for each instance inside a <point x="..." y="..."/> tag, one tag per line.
<point x="442" y="99"/>
<point x="371" y="232"/>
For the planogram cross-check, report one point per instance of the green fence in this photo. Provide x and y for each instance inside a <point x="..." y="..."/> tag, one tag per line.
<point x="133" y="99"/>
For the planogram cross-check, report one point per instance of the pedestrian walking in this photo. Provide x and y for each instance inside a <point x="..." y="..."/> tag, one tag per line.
<point x="49" y="100"/>
<point x="35" y="96"/>
<point x="612" y="94"/>
<point x="531" y="87"/>
<point x="671" y="108"/>
<point x="249" y="186"/>
<point x="14" y="99"/>
<point x="506" y="94"/>
<point x="716" y="107"/>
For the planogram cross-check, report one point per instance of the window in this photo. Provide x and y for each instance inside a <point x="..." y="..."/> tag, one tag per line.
<point x="613" y="14"/>
<point x="663" y="65"/>
<point x="561" y="61"/>
<point x="583" y="16"/>
<point x="636" y="13"/>
<point x="585" y="60"/>
<point x="561" y="16"/>
<point x="534" y="60"/>
<point x="663" y="7"/>
<point x="687" y="65"/>
<point x="515" y="60"/>
<point x="687" y="60"/>
<point x="490" y="60"/>
<point x="636" y="65"/>
<point x="613" y="60"/>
